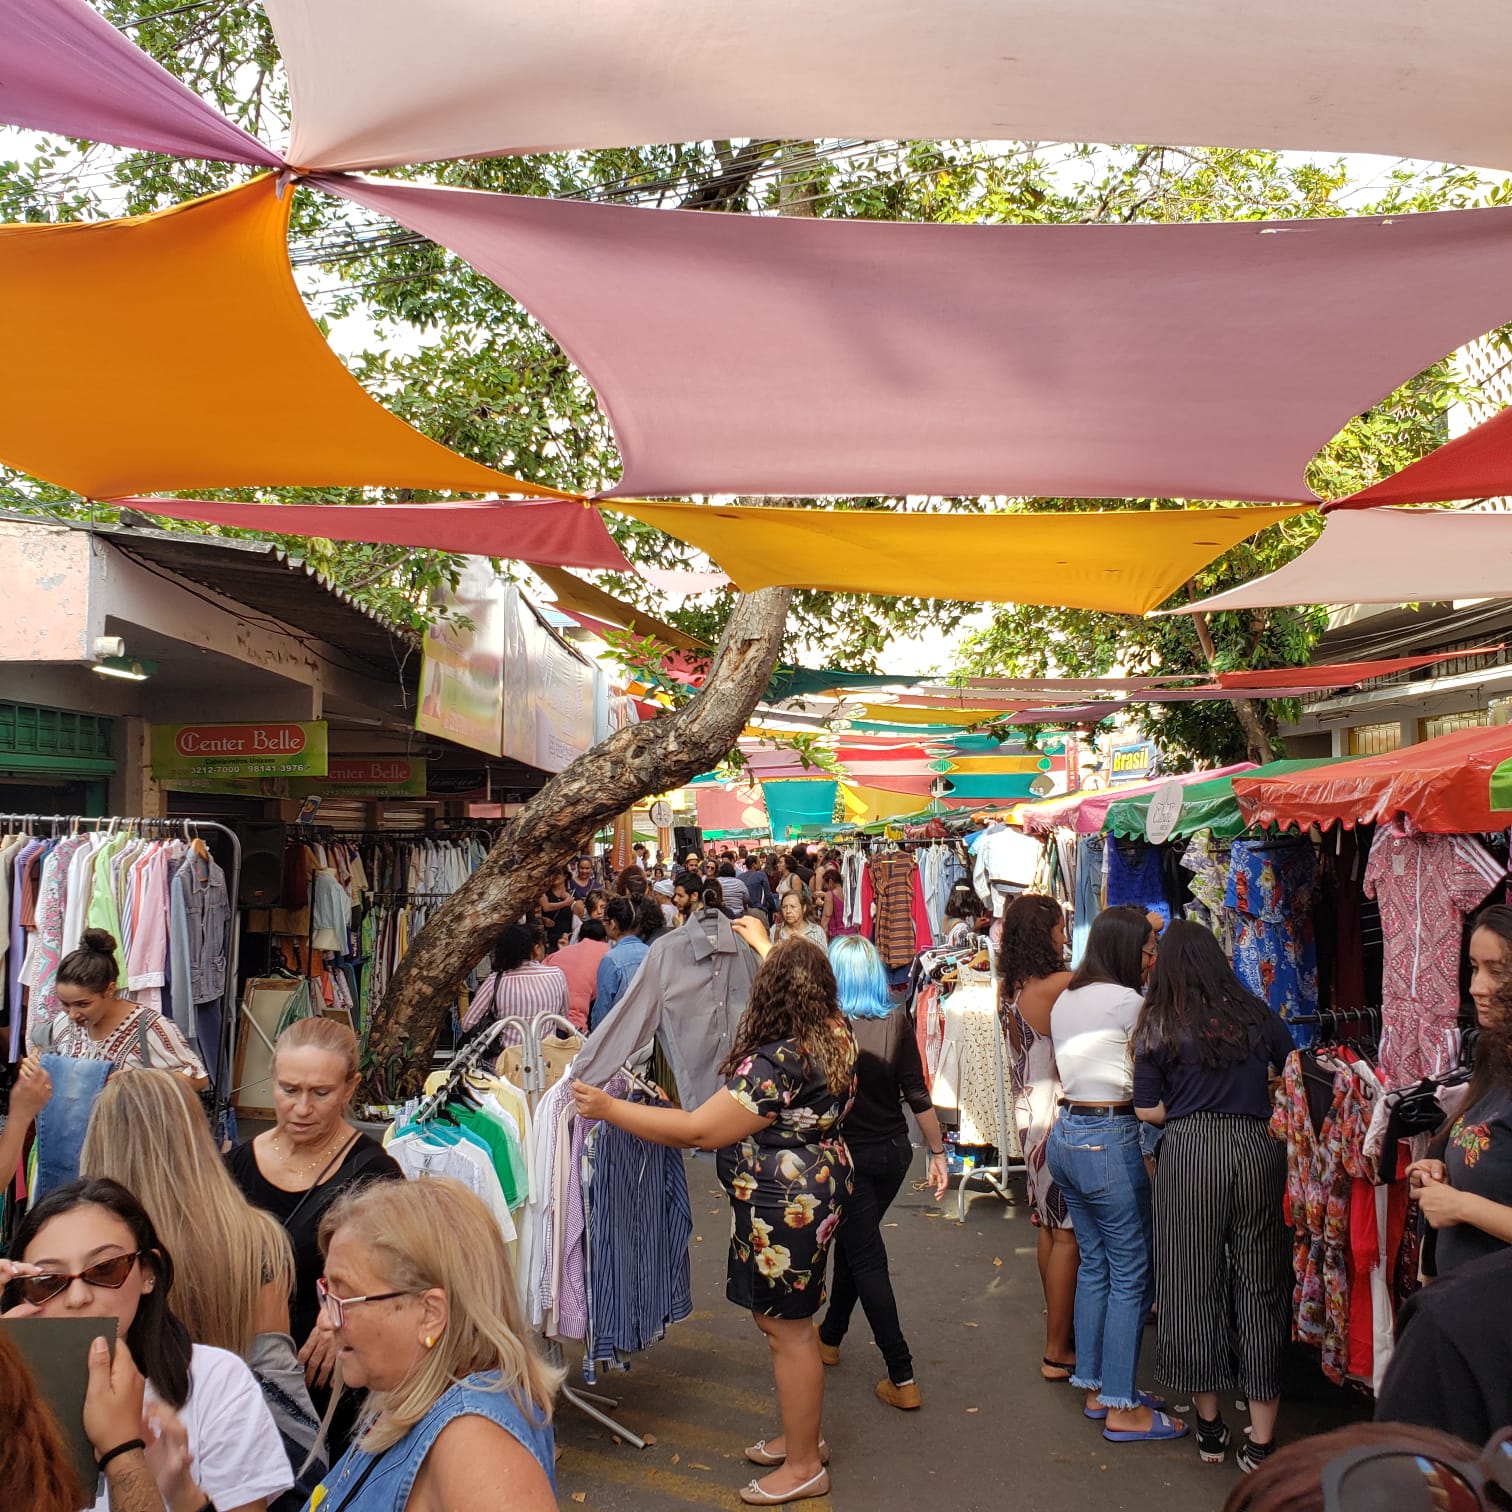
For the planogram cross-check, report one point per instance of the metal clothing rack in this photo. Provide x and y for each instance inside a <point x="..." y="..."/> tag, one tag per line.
<point x="167" y="829"/>
<point x="532" y="1084"/>
<point x="994" y="1176"/>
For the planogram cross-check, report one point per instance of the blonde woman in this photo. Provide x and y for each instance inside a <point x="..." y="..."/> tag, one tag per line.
<point x="418" y="1301"/>
<point x="233" y="1266"/>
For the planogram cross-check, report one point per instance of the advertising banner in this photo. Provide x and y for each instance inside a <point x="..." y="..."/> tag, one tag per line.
<point x="365" y="777"/>
<point x="197" y="752"/>
<point x="462" y="672"/>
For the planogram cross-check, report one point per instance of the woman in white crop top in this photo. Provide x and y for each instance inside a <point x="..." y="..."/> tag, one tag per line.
<point x="1095" y="1157"/>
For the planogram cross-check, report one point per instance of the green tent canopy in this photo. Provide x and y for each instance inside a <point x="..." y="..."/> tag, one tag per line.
<point x="1501" y="786"/>
<point x="1204" y="805"/>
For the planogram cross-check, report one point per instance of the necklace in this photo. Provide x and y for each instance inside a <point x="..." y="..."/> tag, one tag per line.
<point x="314" y="1164"/>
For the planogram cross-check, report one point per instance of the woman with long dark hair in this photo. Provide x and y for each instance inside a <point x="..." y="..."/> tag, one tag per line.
<point x="1466" y="1190"/>
<point x="791" y="1079"/>
<point x="1095" y="1157"/>
<point x="1204" y="1052"/>
<point x="89" y="1250"/>
<point x="1031" y="976"/>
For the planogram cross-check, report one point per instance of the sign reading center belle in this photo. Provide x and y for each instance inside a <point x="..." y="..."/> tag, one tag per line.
<point x="283" y="749"/>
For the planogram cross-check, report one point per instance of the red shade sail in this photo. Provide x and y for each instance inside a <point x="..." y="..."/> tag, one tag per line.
<point x="1442" y="786"/>
<point x="1477" y="465"/>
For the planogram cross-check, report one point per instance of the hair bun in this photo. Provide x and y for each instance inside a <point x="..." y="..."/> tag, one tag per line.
<point x="99" y="940"/>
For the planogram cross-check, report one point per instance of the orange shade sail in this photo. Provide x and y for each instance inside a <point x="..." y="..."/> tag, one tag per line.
<point x="172" y="351"/>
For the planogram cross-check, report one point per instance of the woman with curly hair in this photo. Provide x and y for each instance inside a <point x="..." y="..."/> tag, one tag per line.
<point x="791" y="1079"/>
<point x="1032" y="974"/>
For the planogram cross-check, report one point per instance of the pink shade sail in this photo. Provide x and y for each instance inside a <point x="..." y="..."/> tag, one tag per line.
<point x="1386" y="556"/>
<point x="1343" y="674"/>
<point x="1171" y="361"/>
<point x="675" y="580"/>
<point x="65" y="69"/>
<point x="563" y="533"/>
<point x="1477" y="465"/>
<point x="390" y="81"/>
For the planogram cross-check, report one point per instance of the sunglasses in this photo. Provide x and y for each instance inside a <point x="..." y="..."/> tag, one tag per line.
<point x="111" y="1274"/>
<point x="1387" y="1476"/>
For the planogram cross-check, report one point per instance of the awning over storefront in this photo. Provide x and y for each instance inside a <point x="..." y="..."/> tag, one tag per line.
<point x="1207" y="805"/>
<point x="1442" y="786"/>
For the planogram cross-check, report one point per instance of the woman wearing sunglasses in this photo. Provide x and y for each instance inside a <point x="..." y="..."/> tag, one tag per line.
<point x="88" y="1250"/>
<point x="419" y="1303"/>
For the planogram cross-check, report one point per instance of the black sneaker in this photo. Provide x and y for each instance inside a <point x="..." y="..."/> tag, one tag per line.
<point x="1252" y="1455"/>
<point x="1212" y="1440"/>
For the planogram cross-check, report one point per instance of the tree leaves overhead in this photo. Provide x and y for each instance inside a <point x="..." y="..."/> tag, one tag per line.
<point x="456" y="357"/>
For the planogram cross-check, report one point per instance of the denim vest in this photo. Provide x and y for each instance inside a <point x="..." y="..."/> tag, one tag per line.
<point x="363" y="1482"/>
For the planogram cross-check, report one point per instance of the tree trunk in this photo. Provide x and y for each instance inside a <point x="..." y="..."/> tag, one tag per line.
<point x="1255" y="734"/>
<point x="557" y="825"/>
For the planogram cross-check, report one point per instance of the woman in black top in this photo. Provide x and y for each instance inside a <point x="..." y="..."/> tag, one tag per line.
<point x="1466" y="1193"/>
<point x="300" y="1166"/>
<point x="888" y="1074"/>
<point x="1204" y="1051"/>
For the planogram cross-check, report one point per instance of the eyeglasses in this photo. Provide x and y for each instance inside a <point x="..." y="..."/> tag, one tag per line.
<point x="108" y="1273"/>
<point x="1385" y="1475"/>
<point x="336" y="1306"/>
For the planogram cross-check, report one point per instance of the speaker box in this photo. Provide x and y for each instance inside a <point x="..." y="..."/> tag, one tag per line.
<point x="262" y="842"/>
<point x="685" y="839"/>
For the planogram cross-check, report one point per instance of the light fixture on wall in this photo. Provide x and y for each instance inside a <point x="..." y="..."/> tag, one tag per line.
<point x="128" y="668"/>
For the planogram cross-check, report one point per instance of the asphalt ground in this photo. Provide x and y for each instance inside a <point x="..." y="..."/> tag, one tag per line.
<point x="991" y="1433"/>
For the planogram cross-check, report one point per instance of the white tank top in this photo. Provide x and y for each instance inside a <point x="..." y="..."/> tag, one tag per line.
<point x="1092" y="1028"/>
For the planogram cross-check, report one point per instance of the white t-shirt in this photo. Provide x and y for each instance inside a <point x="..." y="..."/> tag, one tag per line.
<point x="234" y="1445"/>
<point x="1093" y="1030"/>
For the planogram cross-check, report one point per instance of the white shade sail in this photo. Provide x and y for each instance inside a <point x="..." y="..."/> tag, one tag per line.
<point x="379" y="82"/>
<point x="1386" y="556"/>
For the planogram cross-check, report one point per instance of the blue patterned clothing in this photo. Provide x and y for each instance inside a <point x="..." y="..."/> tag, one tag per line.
<point x="1270" y="889"/>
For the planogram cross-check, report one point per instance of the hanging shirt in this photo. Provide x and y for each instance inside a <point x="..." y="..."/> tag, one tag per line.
<point x="1424" y="885"/>
<point x="892" y="909"/>
<point x="1270" y="889"/>
<point x="690" y="993"/>
<point x="1133" y="874"/>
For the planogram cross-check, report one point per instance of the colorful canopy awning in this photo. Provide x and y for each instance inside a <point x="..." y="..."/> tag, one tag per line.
<point x="560" y="532"/>
<point x="1206" y="361"/>
<point x="1386" y="556"/>
<point x="65" y="69"/>
<point x="1442" y="786"/>
<point x="1084" y="811"/>
<point x="1477" y="465"/>
<point x="1207" y="805"/>
<point x="1122" y="561"/>
<point x="172" y="351"/>
<point x="385" y="81"/>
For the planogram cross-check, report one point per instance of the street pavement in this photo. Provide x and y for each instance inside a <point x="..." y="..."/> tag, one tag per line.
<point x="990" y="1433"/>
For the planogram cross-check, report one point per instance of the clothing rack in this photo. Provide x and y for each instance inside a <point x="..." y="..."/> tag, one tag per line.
<point x="993" y="1176"/>
<point x="186" y="829"/>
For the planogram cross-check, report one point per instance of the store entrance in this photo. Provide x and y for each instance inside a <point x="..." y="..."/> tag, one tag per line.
<point x="86" y="797"/>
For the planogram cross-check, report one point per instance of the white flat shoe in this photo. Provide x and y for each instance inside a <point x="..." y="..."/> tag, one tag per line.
<point x="817" y="1485"/>
<point x="759" y="1454"/>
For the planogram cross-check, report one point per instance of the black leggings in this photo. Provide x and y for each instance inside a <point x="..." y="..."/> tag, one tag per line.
<point x="861" y="1258"/>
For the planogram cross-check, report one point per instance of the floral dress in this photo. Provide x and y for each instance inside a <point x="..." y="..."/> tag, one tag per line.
<point x="787" y="1182"/>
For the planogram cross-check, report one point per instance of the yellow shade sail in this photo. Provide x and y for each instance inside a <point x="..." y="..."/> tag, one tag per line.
<point x="866" y="805"/>
<point x="992" y="766"/>
<point x="899" y="714"/>
<point x="579" y="597"/>
<point x="1120" y="561"/>
<point x="172" y="351"/>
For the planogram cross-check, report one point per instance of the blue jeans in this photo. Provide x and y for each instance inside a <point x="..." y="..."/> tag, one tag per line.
<point x="61" y="1124"/>
<point x="1098" y="1165"/>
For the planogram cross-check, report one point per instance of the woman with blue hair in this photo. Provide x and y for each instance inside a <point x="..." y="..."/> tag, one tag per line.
<point x="888" y="1074"/>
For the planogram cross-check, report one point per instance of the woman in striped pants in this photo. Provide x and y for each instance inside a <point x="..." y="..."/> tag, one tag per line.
<point x="1204" y="1050"/>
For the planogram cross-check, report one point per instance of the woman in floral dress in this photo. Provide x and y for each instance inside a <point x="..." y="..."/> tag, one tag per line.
<point x="775" y="1123"/>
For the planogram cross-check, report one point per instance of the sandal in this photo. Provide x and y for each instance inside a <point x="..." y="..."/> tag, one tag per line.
<point x="1163" y="1427"/>
<point x="1066" y="1367"/>
<point x="1146" y="1399"/>
<point x="816" y="1485"/>
<point x="759" y="1454"/>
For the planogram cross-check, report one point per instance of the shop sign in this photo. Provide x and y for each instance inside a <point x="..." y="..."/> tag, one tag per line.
<point x="238" y="751"/>
<point x="365" y="777"/>
<point x="1135" y="763"/>
<point x="1164" y="811"/>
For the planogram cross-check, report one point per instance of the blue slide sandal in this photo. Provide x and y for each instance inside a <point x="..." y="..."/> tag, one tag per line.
<point x="1164" y="1427"/>
<point x="1146" y="1399"/>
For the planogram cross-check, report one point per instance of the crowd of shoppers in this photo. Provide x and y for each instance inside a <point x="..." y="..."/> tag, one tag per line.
<point x="297" y="1326"/>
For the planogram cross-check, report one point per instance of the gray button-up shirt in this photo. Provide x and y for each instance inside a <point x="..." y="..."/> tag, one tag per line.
<point x="690" y="994"/>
